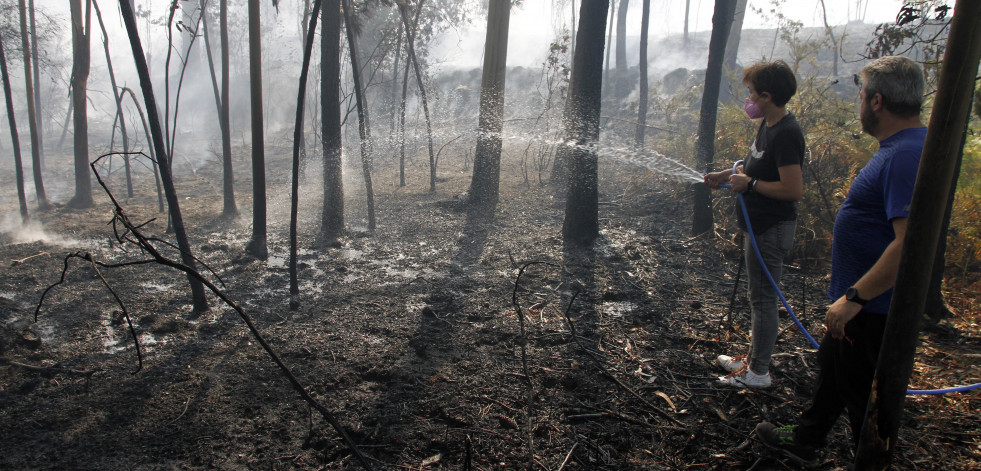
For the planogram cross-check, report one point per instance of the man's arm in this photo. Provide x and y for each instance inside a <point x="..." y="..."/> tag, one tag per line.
<point x="876" y="281"/>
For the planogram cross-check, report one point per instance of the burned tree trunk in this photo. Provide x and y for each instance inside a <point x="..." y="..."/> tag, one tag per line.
<point x="581" y="225"/>
<point x="80" y="77"/>
<point x="35" y="64"/>
<point x="297" y="140"/>
<point x="119" y="101"/>
<point x="257" y="245"/>
<point x="364" y="126"/>
<point x="32" y="114"/>
<point x="332" y="215"/>
<point x="409" y="43"/>
<point x="14" y="137"/>
<point x="642" y="98"/>
<point x="487" y="157"/>
<point x="730" y="89"/>
<point x="149" y="139"/>
<point x="228" y="177"/>
<point x="621" y="84"/>
<point x="702" y="220"/>
<point x="198" y="299"/>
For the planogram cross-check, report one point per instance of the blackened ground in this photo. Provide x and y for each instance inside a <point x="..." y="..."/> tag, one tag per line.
<point x="411" y="338"/>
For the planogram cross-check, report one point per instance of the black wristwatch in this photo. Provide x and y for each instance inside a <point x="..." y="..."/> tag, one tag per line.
<point x="851" y="294"/>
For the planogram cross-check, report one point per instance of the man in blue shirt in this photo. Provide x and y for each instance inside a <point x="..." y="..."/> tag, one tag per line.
<point x="868" y="242"/>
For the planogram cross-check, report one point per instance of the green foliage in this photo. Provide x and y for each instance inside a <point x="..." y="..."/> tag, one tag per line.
<point x="964" y="237"/>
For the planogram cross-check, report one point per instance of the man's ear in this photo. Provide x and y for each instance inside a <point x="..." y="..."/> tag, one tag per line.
<point x="876" y="103"/>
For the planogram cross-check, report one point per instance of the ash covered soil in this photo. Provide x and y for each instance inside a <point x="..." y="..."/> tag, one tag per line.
<point x="411" y="338"/>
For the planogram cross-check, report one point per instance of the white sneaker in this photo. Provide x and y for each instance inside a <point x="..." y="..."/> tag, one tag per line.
<point x="746" y="378"/>
<point x="732" y="364"/>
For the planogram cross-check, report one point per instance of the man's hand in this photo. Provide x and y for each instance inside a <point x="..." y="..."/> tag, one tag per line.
<point x="838" y="315"/>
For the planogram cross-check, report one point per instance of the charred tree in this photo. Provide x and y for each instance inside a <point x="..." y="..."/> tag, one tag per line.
<point x="80" y="76"/>
<point x="933" y="181"/>
<point x="332" y="215"/>
<point x="581" y="225"/>
<point x="149" y="139"/>
<point x="705" y="145"/>
<point x="730" y="90"/>
<point x="120" y="117"/>
<point x="409" y="43"/>
<point x="228" y="204"/>
<point x="687" y="42"/>
<point x="198" y="299"/>
<point x="621" y="86"/>
<point x="487" y="157"/>
<point x="32" y="115"/>
<point x="14" y="137"/>
<point x="405" y="93"/>
<point x="297" y="140"/>
<point x="364" y="125"/>
<point x="35" y="63"/>
<point x="229" y="208"/>
<point x="257" y="245"/>
<point x="609" y="40"/>
<point x="645" y="19"/>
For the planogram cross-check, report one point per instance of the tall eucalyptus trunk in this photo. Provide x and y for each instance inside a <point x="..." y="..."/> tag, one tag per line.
<point x="81" y="26"/>
<point x="32" y="112"/>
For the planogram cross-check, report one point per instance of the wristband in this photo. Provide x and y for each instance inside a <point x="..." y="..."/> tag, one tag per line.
<point x="751" y="186"/>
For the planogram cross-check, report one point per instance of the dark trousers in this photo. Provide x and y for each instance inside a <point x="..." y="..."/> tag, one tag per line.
<point x="846" y="370"/>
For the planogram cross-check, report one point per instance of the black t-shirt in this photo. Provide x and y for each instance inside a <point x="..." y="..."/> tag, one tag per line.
<point x="774" y="147"/>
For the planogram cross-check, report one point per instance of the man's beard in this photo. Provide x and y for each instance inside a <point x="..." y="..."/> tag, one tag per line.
<point x="870" y="122"/>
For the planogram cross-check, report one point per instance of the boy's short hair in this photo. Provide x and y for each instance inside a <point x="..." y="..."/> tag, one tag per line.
<point x="774" y="78"/>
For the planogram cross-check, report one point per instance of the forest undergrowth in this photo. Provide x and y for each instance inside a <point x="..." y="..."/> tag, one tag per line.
<point x="424" y="341"/>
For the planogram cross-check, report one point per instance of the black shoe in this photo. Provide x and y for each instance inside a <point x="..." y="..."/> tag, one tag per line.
<point x="782" y="440"/>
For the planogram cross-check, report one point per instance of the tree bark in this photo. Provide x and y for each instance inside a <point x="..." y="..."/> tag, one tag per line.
<point x="228" y="177"/>
<point x="642" y="99"/>
<point x="32" y="115"/>
<point x="332" y="215"/>
<point x="80" y="76"/>
<point x="622" y="83"/>
<point x="257" y="245"/>
<point x="705" y="146"/>
<point x="485" y="184"/>
<point x="581" y="225"/>
<point x="297" y="139"/>
<point x="14" y="137"/>
<point x="364" y="125"/>
<point x="410" y="44"/>
<point x="37" y="105"/>
<point x="153" y="154"/>
<point x="198" y="299"/>
<point x="609" y="40"/>
<point x="934" y="179"/>
<point x="687" y="42"/>
<point x="118" y="98"/>
<point x="728" y="93"/>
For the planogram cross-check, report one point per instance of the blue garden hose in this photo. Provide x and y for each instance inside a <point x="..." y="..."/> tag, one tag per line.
<point x="766" y="271"/>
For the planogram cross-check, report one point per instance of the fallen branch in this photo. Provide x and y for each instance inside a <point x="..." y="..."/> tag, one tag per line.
<point x="49" y="369"/>
<point x="133" y="235"/>
<point x="18" y="262"/>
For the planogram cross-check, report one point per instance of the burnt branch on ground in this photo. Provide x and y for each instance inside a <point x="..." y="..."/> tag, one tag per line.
<point x="132" y="234"/>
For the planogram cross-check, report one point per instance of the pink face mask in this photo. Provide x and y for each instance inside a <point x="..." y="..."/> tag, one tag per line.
<point x="753" y="111"/>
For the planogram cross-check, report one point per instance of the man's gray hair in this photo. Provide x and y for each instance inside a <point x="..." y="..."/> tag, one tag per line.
<point x="899" y="80"/>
